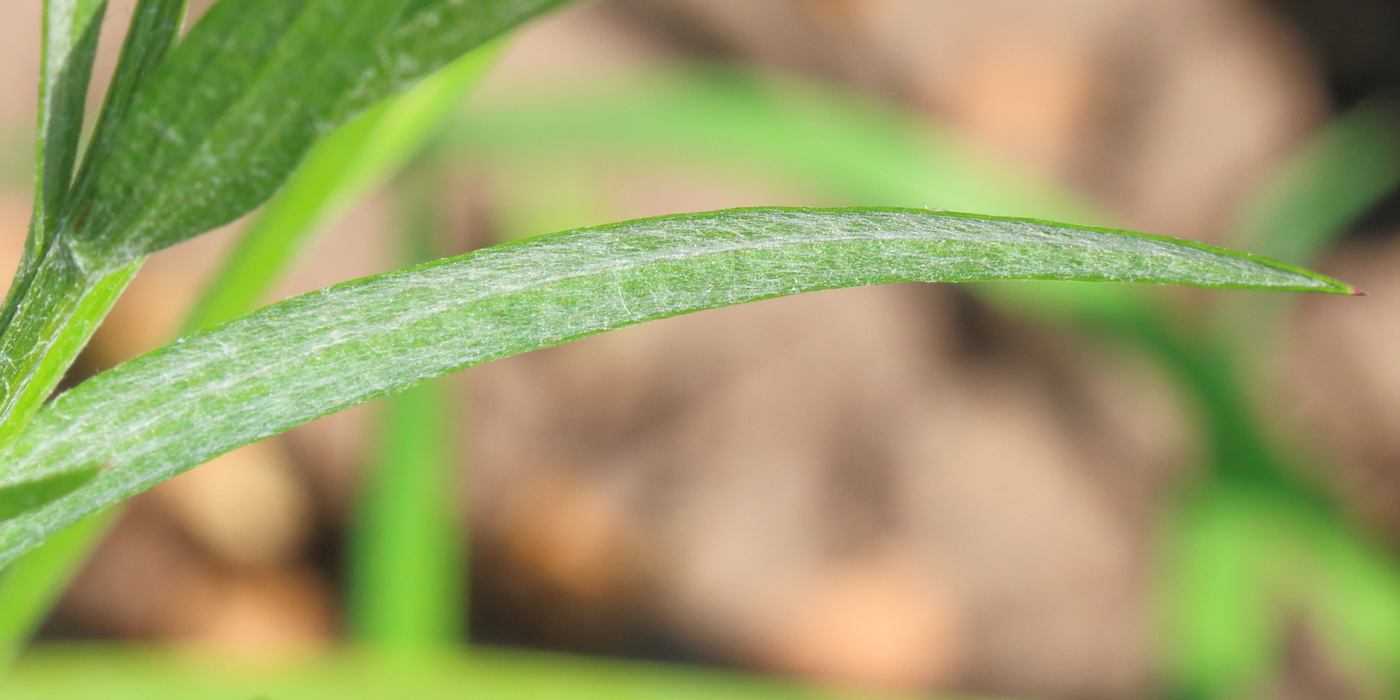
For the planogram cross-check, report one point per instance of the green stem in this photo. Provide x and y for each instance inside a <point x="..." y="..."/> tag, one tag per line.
<point x="407" y="552"/>
<point x="407" y="590"/>
<point x="51" y="311"/>
<point x="34" y="583"/>
<point x="50" y="318"/>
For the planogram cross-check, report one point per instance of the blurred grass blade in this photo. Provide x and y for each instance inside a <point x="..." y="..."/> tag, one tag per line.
<point x="36" y="580"/>
<point x="33" y="584"/>
<point x="795" y="133"/>
<point x="1322" y="190"/>
<point x="337" y="172"/>
<point x="319" y="353"/>
<point x="1333" y="180"/>
<point x="189" y="160"/>
<point x="493" y="674"/>
<point x="1357" y="601"/>
<point x="844" y="148"/>
<point x="810" y="137"/>
<point x="408" y="569"/>
<point x="1220" y="602"/>
<point x="407" y="586"/>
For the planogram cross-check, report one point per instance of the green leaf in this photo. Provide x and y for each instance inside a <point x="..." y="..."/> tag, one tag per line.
<point x="407" y="584"/>
<point x="56" y="302"/>
<point x="335" y="173"/>
<point x="1219" y="599"/>
<point x="1319" y="191"/>
<point x="223" y="122"/>
<point x="339" y="169"/>
<point x="70" y="35"/>
<point x="155" y="25"/>
<point x="793" y="132"/>
<point x="349" y="162"/>
<point x="315" y="354"/>
<point x="22" y="497"/>
<point x="407" y="550"/>
<point x="71" y="29"/>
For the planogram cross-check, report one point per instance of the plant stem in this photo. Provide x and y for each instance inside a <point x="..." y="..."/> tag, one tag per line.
<point x="407" y="589"/>
<point x="52" y="309"/>
<point x="34" y="583"/>
<point x="50" y="316"/>
<point x="407" y="551"/>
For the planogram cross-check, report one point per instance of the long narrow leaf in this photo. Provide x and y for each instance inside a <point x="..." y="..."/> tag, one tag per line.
<point x="55" y="306"/>
<point x="69" y="46"/>
<point x="407" y="553"/>
<point x="57" y="300"/>
<point x="70" y="35"/>
<point x="828" y="142"/>
<point x="335" y="173"/>
<point x="239" y="102"/>
<point x="312" y="355"/>
<point x="797" y="133"/>
<point x="338" y="169"/>
<point x="407" y="586"/>
<point x="154" y="27"/>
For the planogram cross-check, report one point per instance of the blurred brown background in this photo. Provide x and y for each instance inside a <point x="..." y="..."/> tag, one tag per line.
<point x="892" y="487"/>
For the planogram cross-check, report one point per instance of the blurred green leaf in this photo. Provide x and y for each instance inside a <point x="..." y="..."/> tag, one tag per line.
<point x="1221" y="606"/>
<point x="1328" y="183"/>
<point x="117" y="674"/>
<point x="841" y="147"/>
<point x="846" y="148"/>
<point x="1333" y="179"/>
<point x="33" y="583"/>
<point x="1356" y="600"/>
<point x="408" y="566"/>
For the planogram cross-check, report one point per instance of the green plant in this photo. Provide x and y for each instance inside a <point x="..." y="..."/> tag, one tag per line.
<point x="1250" y="542"/>
<point x="197" y="132"/>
